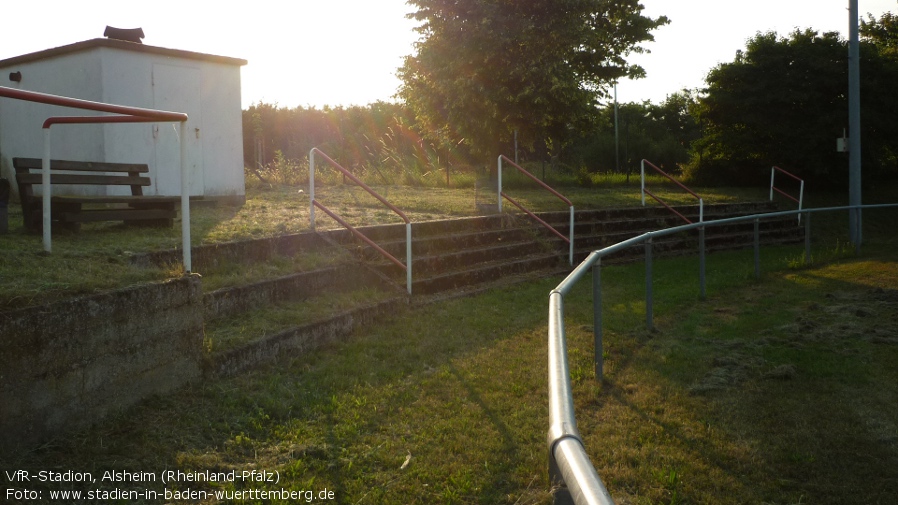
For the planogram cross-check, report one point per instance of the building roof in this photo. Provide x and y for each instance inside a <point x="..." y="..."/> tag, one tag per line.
<point x="118" y="44"/>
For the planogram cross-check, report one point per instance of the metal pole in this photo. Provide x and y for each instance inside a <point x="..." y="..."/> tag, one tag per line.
<point x="772" y="172"/>
<point x="616" y="134"/>
<point x="571" y="255"/>
<point x="597" y="318"/>
<point x="807" y="238"/>
<point x="45" y="192"/>
<point x="648" y="284"/>
<point x="854" y="123"/>
<point x="312" y="189"/>
<point x="408" y="257"/>
<point x="499" y="179"/>
<point x="757" y="248"/>
<point x="642" y="179"/>
<point x="701" y="262"/>
<point x="185" y="201"/>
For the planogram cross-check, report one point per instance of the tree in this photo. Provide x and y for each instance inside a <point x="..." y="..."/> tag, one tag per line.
<point x="486" y="68"/>
<point x="783" y="101"/>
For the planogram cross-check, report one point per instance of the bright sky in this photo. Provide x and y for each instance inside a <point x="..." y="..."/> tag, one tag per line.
<point x="345" y="52"/>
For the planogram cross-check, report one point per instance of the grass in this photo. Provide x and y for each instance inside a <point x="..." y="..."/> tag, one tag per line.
<point x="774" y="391"/>
<point x="97" y="257"/>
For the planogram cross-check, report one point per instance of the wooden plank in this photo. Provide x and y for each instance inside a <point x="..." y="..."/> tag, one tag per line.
<point x="96" y="180"/>
<point x="131" y="200"/>
<point x="81" y="166"/>
<point x="86" y="216"/>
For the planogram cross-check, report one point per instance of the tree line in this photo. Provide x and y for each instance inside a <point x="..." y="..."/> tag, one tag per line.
<point x="487" y="78"/>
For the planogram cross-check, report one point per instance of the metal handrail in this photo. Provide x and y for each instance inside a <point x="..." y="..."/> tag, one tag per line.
<point x="346" y="173"/>
<point x="128" y="114"/>
<point x="701" y="204"/>
<point x="570" y="239"/>
<point x="569" y="464"/>
<point x="799" y="200"/>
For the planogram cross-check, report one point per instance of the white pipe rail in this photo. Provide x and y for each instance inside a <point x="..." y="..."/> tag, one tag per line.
<point x="799" y="200"/>
<point x="569" y="465"/>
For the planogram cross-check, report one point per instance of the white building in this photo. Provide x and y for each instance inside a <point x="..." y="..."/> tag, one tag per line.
<point x="206" y="87"/>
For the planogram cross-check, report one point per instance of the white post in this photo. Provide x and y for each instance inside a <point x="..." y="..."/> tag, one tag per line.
<point x="701" y="210"/>
<point x="800" y="200"/>
<point x="312" y="189"/>
<point x="772" y="172"/>
<point x="408" y="257"/>
<point x="45" y="190"/>
<point x="500" y="184"/>
<point x="185" y="201"/>
<point x="571" y="255"/>
<point x="642" y="179"/>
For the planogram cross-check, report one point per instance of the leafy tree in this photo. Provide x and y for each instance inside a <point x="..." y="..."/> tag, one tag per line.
<point x="783" y="101"/>
<point x="486" y="68"/>
<point x="882" y="32"/>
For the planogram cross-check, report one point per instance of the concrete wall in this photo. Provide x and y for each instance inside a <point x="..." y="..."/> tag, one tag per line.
<point x="65" y="364"/>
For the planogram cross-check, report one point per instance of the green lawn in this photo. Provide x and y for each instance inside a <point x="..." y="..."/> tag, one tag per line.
<point x="773" y="391"/>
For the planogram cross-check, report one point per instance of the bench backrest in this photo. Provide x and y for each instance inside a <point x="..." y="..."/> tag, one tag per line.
<point x="92" y="173"/>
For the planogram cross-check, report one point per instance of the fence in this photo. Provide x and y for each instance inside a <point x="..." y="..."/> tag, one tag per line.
<point x="570" y="238"/>
<point x="569" y="464"/>
<point x="407" y="267"/>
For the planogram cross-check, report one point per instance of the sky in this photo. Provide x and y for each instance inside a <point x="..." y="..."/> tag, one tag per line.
<point x="346" y="52"/>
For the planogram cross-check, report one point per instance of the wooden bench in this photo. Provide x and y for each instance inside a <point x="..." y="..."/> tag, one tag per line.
<point x="70" y="211"/>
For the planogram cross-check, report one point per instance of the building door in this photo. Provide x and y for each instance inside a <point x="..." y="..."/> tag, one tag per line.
<point x="177" y="89"/>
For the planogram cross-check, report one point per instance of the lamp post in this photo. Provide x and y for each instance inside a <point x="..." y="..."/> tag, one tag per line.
<point x="854" y="125"/>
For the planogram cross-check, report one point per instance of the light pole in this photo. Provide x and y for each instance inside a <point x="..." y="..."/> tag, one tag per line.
<point x="854" y="125"/>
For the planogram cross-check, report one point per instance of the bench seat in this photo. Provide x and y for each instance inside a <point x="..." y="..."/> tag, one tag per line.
<point x="70" y="211"/>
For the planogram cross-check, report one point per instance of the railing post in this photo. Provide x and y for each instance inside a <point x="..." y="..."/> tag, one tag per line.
<point x="408" y="257"/>
<point x="757" y="244"/>
<point x="701" y="210"/>
<point x="701" y="262"/>
<point x="649" y="323"/>
<point x="45" y="192"/>
<point x="312" y="189"/>
<point x="185" y="201"/>
<point x="499" y="184"/>
<point x="857" y="224"/>
<point x="772" y="172"/>
<point x="597" y="318"/>
<point x="800" y="199"/>
<point x="571" y="255"/>
<point x="642" y="180"/>
<point x="807" y="239"/>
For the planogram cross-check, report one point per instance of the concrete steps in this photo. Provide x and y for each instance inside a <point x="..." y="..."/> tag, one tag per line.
<point x="450" y="258"/>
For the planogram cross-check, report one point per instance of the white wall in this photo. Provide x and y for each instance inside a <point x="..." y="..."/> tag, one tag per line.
<point x="124" y="77"/>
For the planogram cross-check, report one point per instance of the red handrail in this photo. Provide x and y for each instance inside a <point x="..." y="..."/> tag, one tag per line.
<point x="773" y="188"/>
<point x="701" y="202"/>
<point x="346" y="173"/>
<point x="551" y="228"/>
<point x="76" y="103"/>
<point x="128" y="115"/>
<point x="364" y="186"/>
<point x="535" y="179"/>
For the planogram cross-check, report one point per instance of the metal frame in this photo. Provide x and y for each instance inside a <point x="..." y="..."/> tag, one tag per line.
<point x="701" y="202"/>
<point x="127" y="115"/>
<point x="799" y="200"/>
<point x="570" y="239"/>
<point x="347" y="174"/>
<point x="569" y="464"/>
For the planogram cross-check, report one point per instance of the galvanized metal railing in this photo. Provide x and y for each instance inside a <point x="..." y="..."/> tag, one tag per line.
<point x="569" y="465"/>
<point x="347" y="174"/>
<point x="570" y="239"/>
<point x="773" y="188"/>
<point x="127" y="114"/>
